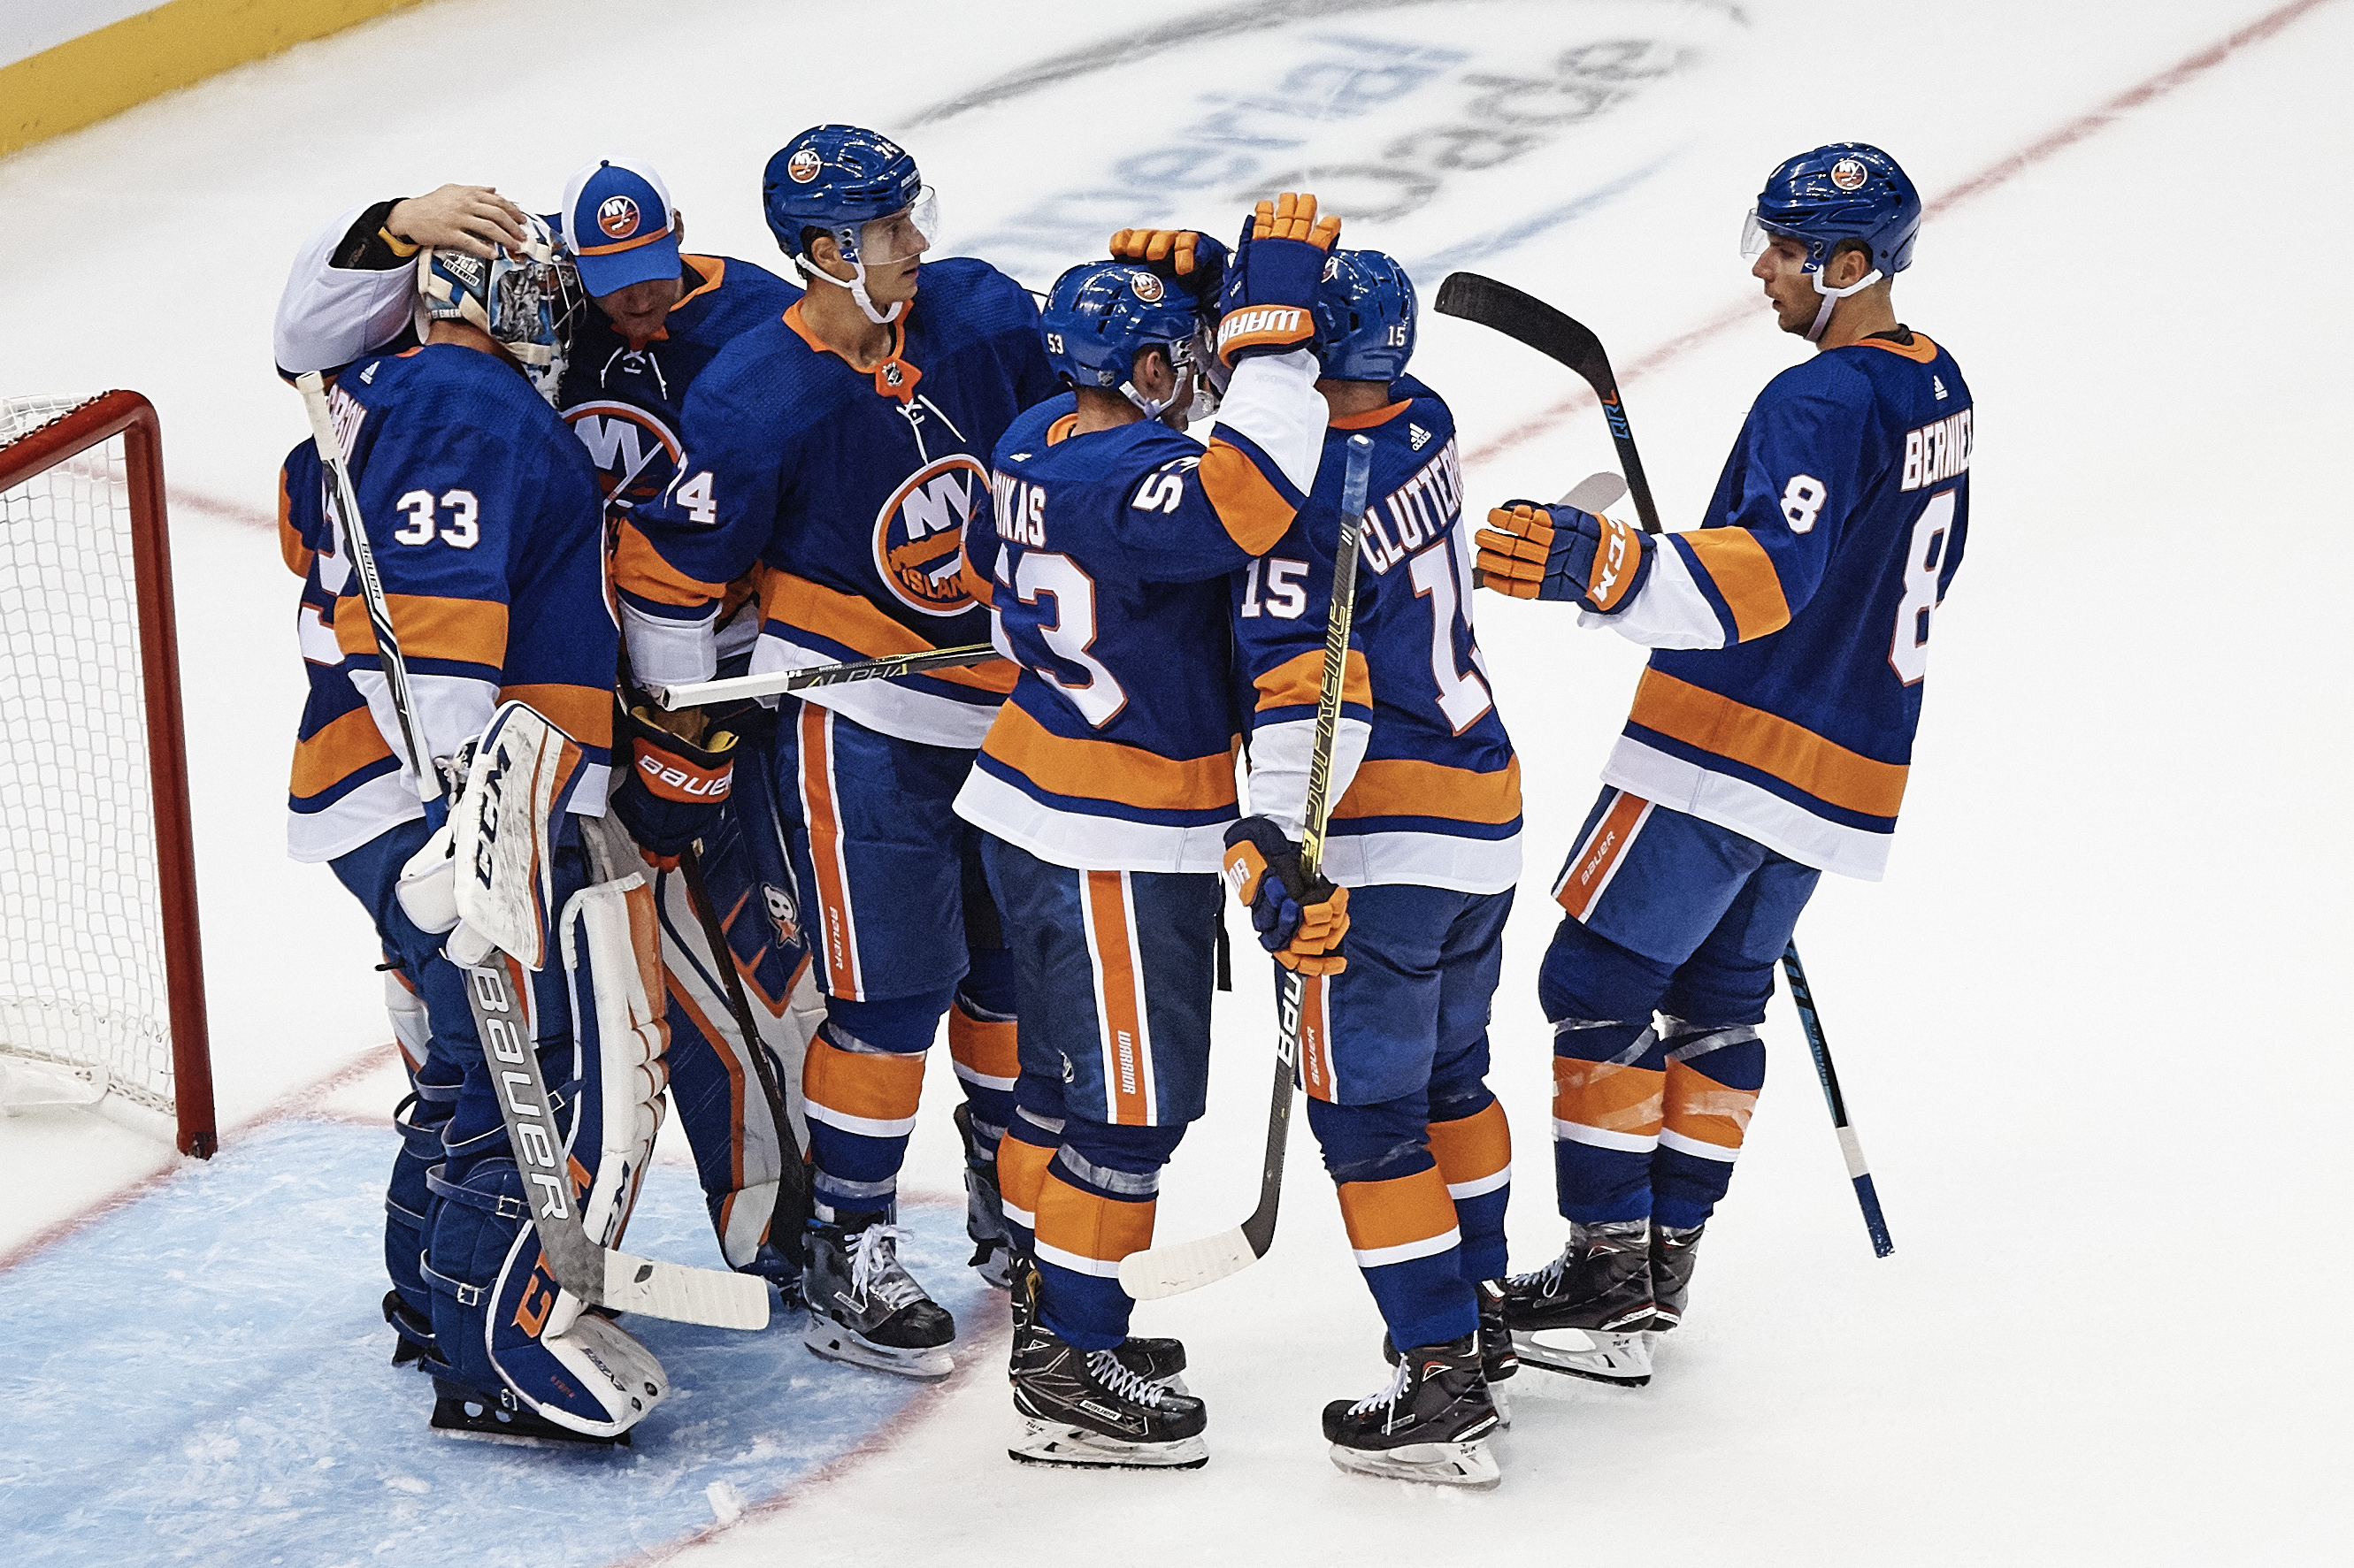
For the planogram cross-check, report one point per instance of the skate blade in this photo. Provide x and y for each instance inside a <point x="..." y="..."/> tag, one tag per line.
<point x="1503" y="1403"/>
<point x="1624" y="1359"/>
<point x="830" y="1342"/>
<point x="467" y="1427"/>
<point x="1466" y="1465"/>
<point x="1074" y="1447"/>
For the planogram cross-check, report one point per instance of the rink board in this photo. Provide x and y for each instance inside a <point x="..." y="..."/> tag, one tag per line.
<point x="204" y="1376"/>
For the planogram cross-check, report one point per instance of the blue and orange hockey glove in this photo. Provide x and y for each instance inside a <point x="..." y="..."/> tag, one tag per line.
<point x="1536" y="552"/>
<point x="674" y="787"/>
<point x="1300" y="922"/>
<point x="1185" y="257"/>
<point x="1269" y="302"/>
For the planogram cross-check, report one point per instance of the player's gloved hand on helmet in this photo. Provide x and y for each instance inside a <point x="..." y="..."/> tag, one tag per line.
<point x="1185" y="257"/>
<point x="674" y="787"/>
<point x="1537" y="552"/>
<point x="1299" y="921"/>
<point x="1268" y="305"/>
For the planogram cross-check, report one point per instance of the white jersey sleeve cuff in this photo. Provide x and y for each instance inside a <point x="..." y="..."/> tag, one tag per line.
<point x="1670" y="611"/>
<point x="1272" y="400"/>
<point x="670" y="653"/>
<point x="1278" y="768"/>
<point x="329" y="317"/>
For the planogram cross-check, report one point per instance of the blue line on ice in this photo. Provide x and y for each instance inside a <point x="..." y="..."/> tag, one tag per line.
<point x="203" y="1376"/>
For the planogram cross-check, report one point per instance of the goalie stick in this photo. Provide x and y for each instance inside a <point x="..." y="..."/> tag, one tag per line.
<point x="1187" y="1266"/>
<point x="599" y="1276"/>
<point x="1527" y="319"/>
<point x="769" y="684"/>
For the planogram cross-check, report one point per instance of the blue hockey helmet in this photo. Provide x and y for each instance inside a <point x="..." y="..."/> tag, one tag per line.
<point x="1847" y="190"/>
<point x="1365" y="315"/>
<point x="525" y="299"/>
<point x="1101" y="314"/>
<point x="861" y="188"/>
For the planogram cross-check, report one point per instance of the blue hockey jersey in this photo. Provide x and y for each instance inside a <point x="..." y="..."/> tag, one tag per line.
<point x="1436" y="800"/>
<point x="1109" y="566"/>
<point x="1793" y="626"/>
<point x="850" y="490"/>
<point x="486" y="527"/>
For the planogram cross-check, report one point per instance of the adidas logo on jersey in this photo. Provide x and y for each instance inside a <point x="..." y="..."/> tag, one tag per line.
<point x="368" y="376"/>
<point x="1939" y="383"/>
<point x="1417" y="436"/>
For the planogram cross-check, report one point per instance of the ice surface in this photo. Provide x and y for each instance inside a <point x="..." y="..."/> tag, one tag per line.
<point x="2086" y="1027"/>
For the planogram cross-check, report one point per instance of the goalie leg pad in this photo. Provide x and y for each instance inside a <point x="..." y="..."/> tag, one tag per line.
<point x="503" y="1324"/>
<point x="614" y="969"/>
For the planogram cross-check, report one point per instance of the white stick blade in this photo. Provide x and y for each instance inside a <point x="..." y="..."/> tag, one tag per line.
<point x="684" y="1295"/>
<point x="1172" y="1270"/>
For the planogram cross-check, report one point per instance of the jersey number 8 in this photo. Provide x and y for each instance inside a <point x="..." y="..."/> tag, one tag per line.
<point x="1908" y="648"/>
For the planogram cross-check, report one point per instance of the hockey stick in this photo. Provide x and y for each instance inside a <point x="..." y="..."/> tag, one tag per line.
<point x="1527" y="319"/>
<point x="792" y="1204"/>
<point x="598" y="1275"/>
<point x="734" y="688"/>
<point x="345" y="502"/>
<point x="1858" y="1171"/>
<point x="1187" y="1266"/>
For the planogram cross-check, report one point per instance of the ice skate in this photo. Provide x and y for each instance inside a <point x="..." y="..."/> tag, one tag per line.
<point x="1089" y="1409"/>
<point x="1671" y="1270"/>
<point x="984" y="1208"/>
<point x="1498" y="1360"/>
<point x="1584" y="1313"/>
<point x="500" y="1417"/>
<point x="1156" y="1361"/>
<point x="864" y="1309"/>
<point x="1430" y="1423"/>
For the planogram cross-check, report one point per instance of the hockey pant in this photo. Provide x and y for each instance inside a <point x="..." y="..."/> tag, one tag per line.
<point x="1393" y="1060"/>
<point x="1663" y="914"/>
<point x="496" y="1319"/>
<point x="1114" y="971"/>
<point x="901" y="932"/>
<point x="739" y="1143"/>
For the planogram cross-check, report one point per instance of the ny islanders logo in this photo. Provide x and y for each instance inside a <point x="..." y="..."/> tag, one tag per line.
<point x="1848" y="174"/>
<point x="1146" y="287"/>
<point x="919" y="533"/>
<point x="618" y="218"/>
<point x="633" y="453"/>
<point x="803" y="165"/>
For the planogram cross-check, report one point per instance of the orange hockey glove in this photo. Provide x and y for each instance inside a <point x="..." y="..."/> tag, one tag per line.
<point x="1269" y="302"/>
<point x="1534" y="552"/>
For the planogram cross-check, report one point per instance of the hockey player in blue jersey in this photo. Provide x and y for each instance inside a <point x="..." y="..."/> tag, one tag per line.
<point x="1425" y="836"/>
<point x="1768" y="744"/>
<point x="660" y="315"/>
<point x="1106" y="785"/>
<point x="483" y="514"/>
<point x="839" y="452"/>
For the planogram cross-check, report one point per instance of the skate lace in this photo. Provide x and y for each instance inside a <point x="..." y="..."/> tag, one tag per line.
<point x="1546" y="1281"/>
<point x="1390" y="1395"/>
<point x="1126" y="1384"/>
<point x="874" y="1271"/>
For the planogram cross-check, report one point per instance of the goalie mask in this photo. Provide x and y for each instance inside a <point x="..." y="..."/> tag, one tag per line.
<point x="523" y="300"/>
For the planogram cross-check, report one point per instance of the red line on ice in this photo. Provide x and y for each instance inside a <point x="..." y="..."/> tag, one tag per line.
<point x="1985" y="180"/>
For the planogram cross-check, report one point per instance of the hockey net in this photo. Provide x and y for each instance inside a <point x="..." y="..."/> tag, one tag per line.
<point x="101" y="988"/>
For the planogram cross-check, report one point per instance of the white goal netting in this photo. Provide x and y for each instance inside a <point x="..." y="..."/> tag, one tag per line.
<point x="84" y="1002"/>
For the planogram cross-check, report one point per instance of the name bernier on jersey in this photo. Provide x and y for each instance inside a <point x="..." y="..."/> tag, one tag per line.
<point x="1937" y="451"/>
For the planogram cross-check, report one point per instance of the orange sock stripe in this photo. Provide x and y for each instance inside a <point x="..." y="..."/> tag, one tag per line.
<point x="1700" y="1108"/>
<point x="984" y="1049"/>
<point x="1608" y="1095"/>
<point x="1082" y="1224"/>
<point x="1022" y="1176"/>
<point x="1403" y="1218"/>
<point x="1473" y="1147"/>
<point x="860" y="1086"/>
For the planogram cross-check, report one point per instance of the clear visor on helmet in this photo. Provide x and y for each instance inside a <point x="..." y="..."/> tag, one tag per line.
<point x="904" y="235"/>
<point x="1755" y="237"/>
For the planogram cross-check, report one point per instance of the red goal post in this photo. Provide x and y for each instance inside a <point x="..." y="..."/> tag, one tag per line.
<point x="101" y="970"/>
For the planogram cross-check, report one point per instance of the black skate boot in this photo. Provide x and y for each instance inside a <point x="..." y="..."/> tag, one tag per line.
<point x="412" y="1343"/>
<point x="1090" y="1410"/>
<point x="984" y="1208"/>
<point x="867" y="1311"/>
<point x="1585" y="1312"/>
<point x="1429" y="1424"/>
<point x="1498" y="1360"/>
<point x="1671" y="1270"/>
<point x="500" y="1417"/>
<point x="1155" y="1360"/>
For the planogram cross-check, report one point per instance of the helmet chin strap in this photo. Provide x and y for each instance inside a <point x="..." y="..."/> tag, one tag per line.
<point x="856" y="284"/>
<point x="1831" y="297"/>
